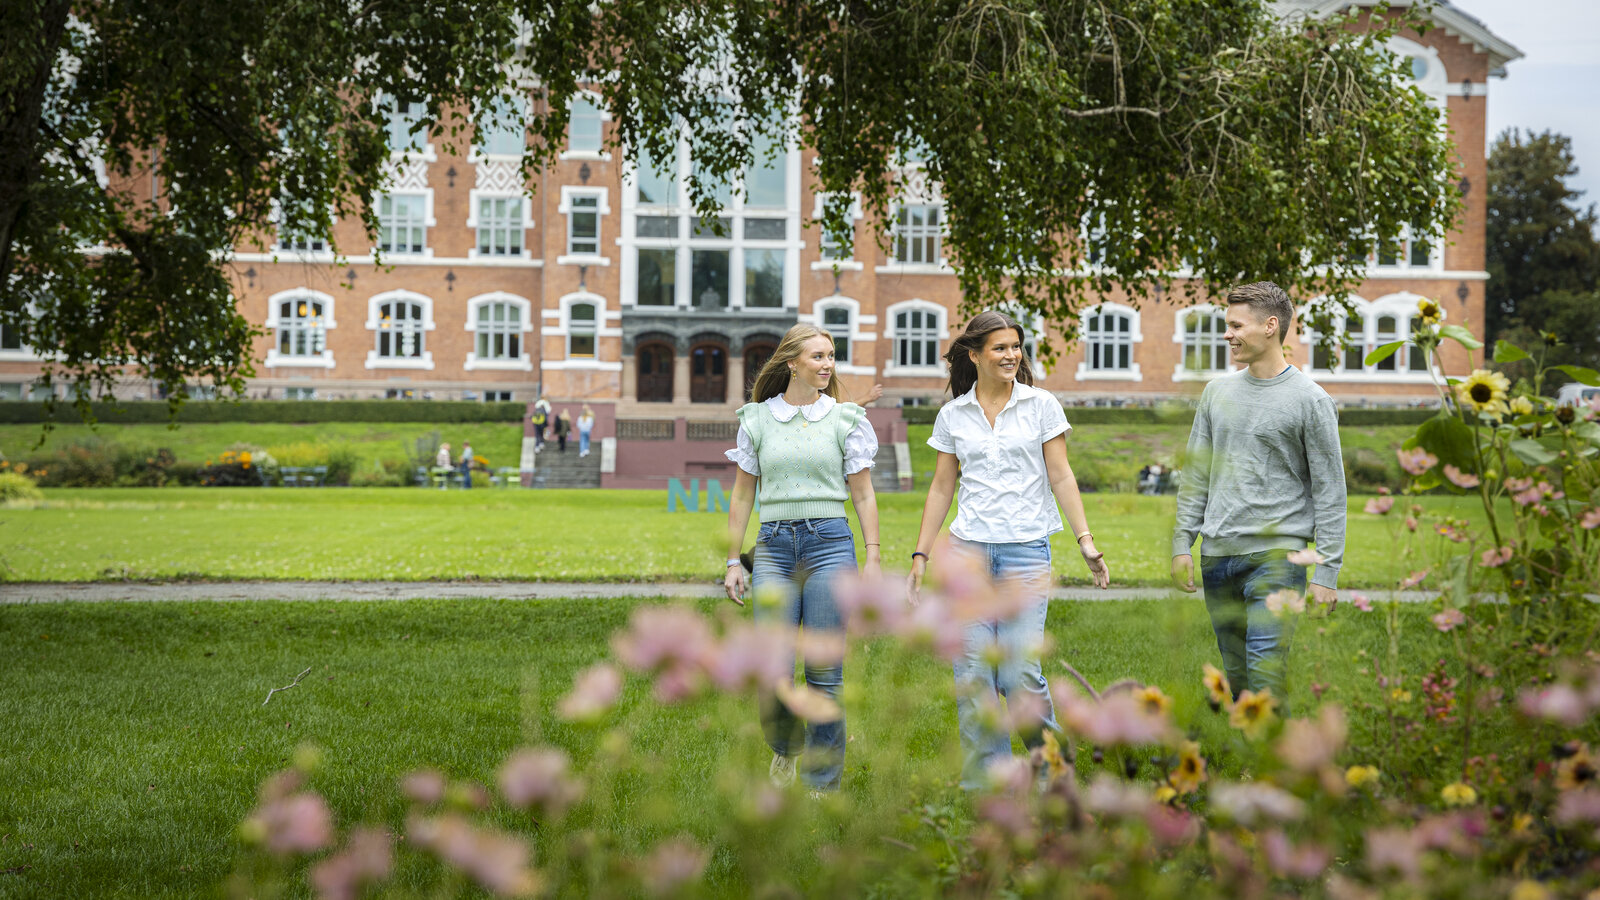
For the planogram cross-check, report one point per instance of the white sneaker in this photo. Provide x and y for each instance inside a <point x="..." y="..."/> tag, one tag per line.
<point x="781" y="772"/>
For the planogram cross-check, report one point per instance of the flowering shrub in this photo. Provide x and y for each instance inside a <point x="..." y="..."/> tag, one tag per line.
<point x="15" y="485"/>
<point x="240" y="466"/>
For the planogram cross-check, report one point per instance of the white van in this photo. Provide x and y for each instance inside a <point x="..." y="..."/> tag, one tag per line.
<point x="1576" y="394"/>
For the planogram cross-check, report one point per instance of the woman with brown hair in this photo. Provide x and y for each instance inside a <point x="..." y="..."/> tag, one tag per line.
<point x="804" y="453"/>
<point x="1003" y="442"/>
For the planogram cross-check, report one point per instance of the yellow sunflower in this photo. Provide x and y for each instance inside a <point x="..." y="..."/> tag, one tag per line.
<point x="1253" y="713"/>
<point x="1153" y="701"/>
<point x="1191" y="770"/>
<point x="1577" y="770"/>
<point x="1484" y="391"/>
<point x="1429" y="310"/>
<point x="1217" y="690"/>
<point x="1458" y="793"/>
<point x="1361" y="776"/>
<point x="1522" y="406"/>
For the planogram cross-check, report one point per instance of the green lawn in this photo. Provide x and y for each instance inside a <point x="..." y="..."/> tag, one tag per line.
<point x="418" y="534"/>
<point x="135" y="733"/>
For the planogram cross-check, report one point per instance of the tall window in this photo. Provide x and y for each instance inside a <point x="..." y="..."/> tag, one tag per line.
<point x="583" y="225"/>
<point x="657" y="181"/>
<point x="10" y="338"/>
<point x="658" y="278"/>
<point x="1409" y="251"/>
<point x="584" y="127"/>
<point x="580" y="331"/>
<point x="502" y="132"/>
<point x="402" y="223"/>
<point x="402" y="128"/>
<point x="1204" y="349"/>
<point x="499" y="331"/>
<point x="1109" y="336"/>
<point x="916" y="338"/>
<point x="916" y="234"/>
<point x="302" y="328"/>
<point x="500" y="226"/>
<point x="401" y="326"/>
<point x="836" y="322"/>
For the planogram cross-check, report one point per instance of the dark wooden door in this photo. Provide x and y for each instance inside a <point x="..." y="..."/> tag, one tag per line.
<point x="655" y="373"/>
<point x="755" y="356"/>
<point x="708" y="374"/>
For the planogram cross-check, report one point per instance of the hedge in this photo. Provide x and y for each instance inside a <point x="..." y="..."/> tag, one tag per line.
<point x="1182" y="415"/>
<point x="135" y="412"/>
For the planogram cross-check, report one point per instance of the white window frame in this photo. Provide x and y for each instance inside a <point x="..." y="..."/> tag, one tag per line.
<point x="1401" y="305"/>
<point x="428" y="223"/>
<point x="939" y="234"/>
<point x="22" y="353"/>
<point x="892" y="366"/>
<point x="425" y="151"/>
<point x="603" y="209"/>
<point x="375" y="325"/>
<point x="859" y="340"/>
<point x="1135" y="337"/>
<point x="851" y="263"/>
<point x="735" y="243"/>
<point x="1180" y="336"/>
<point x="473" y="222"/>
<point x="322" y="360"/>
<point x="522" y="362"/>
<point x="607" y="323"/>
<point x="475" y="152"/>
<point x="599" y="153"/>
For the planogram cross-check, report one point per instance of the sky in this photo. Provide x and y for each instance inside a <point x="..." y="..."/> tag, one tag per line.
<point x="1556" y="84"/>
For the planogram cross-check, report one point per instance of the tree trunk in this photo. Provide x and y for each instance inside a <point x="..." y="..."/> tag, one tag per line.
<point x="30" y="39"/>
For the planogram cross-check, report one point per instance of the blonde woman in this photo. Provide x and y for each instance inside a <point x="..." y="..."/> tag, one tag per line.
<point x="1003" y="442"/>
<point x="803" y="453"/>
<point x="585" y="427"/>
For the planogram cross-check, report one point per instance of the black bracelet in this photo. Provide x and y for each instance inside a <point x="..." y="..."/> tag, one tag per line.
<point x="918" y="553"/>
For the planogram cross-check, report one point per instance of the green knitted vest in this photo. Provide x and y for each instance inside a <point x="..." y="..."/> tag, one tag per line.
<point x="802" y="463"/>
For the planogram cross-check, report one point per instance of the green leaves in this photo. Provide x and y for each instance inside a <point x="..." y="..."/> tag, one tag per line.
<point x="1450" y="439"/>
<point x="1382" y="353"/>
<point x="1461" y="336"/>
<point x="1531" y="452"/>
<point x="1507" y="352"/>
<point x="1581" y="375"/>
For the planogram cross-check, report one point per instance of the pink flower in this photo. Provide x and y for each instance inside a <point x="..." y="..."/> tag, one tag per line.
<point x="1574" y="807"/>
<point x="808" y="703"/>
<point x="1591" y="518"/>
<point x="1305" y="557"/>
<point x="1379" y="506"/>
<point x="870" y="607"/>
<point x="1290" y="601"/>
<point x="1416" y="460"/>
<point x="1308" y="745"/>
<point x="934" y="626"/>
<point x="1558" y="703"/>
<point x="1393" y="849"/>
<point x="752" y="656"/>
<point x="1414" y="579"/>
<point x="1112" y="796"/>
<point x="1518" y="484"/>
<point x="1449" y="620"/>
<point x="673" y="864"/>
<point x="1360" y="601"/>
<point x="1459" y="478"/>
<point x="1411" y="523"/>
<point x="1304" y="862"/>
<point x="538" y="778"/>
<point x="1119" y="718"/>
<point x="1171" y="827"/>
<point x="1494" y="559"/>
<point x="425" y="786"/>
<point x="367" y="858"/>
<point x="1535" y="493"/>
<point x="298" y="823"/>
<point x="1256" y="801"/>
<point x="498" y="862"/>
<point x="659" y="636"/>
<point x="594" y="691"/>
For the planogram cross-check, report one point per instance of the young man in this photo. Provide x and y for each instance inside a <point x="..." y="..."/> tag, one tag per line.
<point x="1264" y="476"/>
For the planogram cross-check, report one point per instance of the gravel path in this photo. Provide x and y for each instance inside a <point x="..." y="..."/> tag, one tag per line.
<point x="110" y="591"/>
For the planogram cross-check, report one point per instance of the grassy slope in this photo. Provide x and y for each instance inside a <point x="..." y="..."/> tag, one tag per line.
<point x="414" y="534"/>
<point x="136" y="735"/>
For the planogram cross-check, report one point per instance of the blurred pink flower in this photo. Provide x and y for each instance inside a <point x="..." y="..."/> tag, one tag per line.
<point x="657" y="637"/>
<point x="1459" y="478"/>
<point x="1112" y="796"/>
<point x="367" y="858"/>
<point x="594" y="691"/>
<point x="1306" y="556"/>
<point x="1256" y="801"/>
<point x="1449" y="620"/>
<point x="752" y="655"/>
<point x="1414" y="579"/>
<point x="870" y="606"/>
<point x="1286" y="601"/>
<point x="298" y="823"/>
<point x="1171" y="827"/>
<point x="1493" y="559"/>
<point x="1007" y="812"/>
<point x="1304" y="862"/>
<point x="1393" y="849"/>
<point x="680" y="681"/>
<point x="1541" y="491"/>
<point x="1411" y="523"/>
<point x="1416" y="460"/>
<point x="1591" y="518"/>
<point x="1309" y="744"/>
<point x="1558" y="703"/>
<point x="1518" y="484"/>
<point x="1582" y="806"/>
<point x="673" y="864"/>
<point x="498" y="862"/>
<point x="808" y="703"/>
<point x="1119" y="718"/>
<point x="538" y="778"/>
<point x="1379" y="506"/>
<point x="1361" y="601"/>
<point x="932" y="625"/>
<point x="426" y="786"/>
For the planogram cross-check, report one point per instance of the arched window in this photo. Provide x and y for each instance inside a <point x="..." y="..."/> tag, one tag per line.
<point x="1109" y="338"/>
<point x="499" y="331"/>
<point x="836" y="322"/>
<point x="580" y="331"/>
<point x="1205" y="352"/>
<point x="302" y="327"/>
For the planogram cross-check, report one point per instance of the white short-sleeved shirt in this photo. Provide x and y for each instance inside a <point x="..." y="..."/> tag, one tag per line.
<point x="1005" y="493"/>
<point x="860" y="445"/>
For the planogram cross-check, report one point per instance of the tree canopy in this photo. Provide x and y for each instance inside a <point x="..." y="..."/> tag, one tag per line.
<point x="1081" y="147"/>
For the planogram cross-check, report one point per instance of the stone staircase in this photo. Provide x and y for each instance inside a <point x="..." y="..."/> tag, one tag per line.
<point x="886" y="470"/>
<point x="554" y="469"/>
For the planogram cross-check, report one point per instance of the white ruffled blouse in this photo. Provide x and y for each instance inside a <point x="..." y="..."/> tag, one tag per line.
<point x="860" y="445"/>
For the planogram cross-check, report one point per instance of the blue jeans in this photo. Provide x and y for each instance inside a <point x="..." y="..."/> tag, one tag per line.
<point x="801" y="557"/>
<point x="466" y="474"/>
<point x="1015" y="643"/>
<point x="1254" y="643"/>
<point x="583" y="441"/>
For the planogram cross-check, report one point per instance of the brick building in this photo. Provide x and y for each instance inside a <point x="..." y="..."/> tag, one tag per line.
<point x="596" y="284"/>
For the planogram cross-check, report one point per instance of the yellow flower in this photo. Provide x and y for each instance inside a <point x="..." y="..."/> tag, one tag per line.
<point x="1522" y="406"/>
<point x="1055" y="762"/>
<point x="1153" y="701"/>
<point x="1361" y="776"/>
<point x="1577" y="770"/>
<point x="1458" y="793"/>
<point x="1191" y="770"/>
<point x="1529" y="890"/>
<point x="1253" y="713"/>
<point x="1400" y="695"/>
<point x="245" y="457"/>
<point x="1429" y="310"/>
<point x="1484" y="391"/>
<point x="1217" y="690"/>
<point x="1165" y="794"/>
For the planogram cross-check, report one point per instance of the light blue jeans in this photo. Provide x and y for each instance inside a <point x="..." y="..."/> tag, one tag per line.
<point x="583" y="440"/>
<point x="1000" y="658"/>
<point x="801" y="557"/>
<point x="1254" y="643"/>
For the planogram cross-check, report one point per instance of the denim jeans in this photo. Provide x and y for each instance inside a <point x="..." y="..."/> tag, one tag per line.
<point x="1000" y="658"/>
<point x="1254" y="642"/>
<point x="801" y="557"/>
<point x="583" y="441"/>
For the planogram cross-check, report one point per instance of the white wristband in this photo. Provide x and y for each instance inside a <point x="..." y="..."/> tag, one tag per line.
<point x="734" y="562"/>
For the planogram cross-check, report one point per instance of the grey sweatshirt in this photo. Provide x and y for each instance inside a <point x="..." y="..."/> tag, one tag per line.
<point x="1264" y="471"/>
